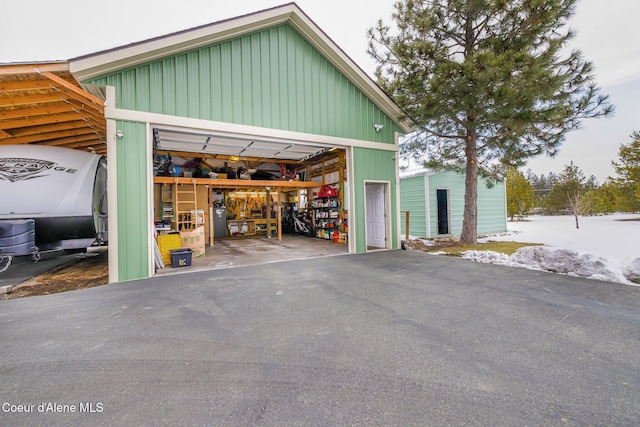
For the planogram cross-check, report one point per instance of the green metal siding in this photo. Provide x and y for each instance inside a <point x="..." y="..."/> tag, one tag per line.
<point x="454" y="182"/>
<point x="492" y="217"/>
<point x="132" y="192"/>
<point x="374" y="165"/>
<point x="412" y="199"/>
<point x="272" y="78"/>
<point x="491" y="203"/>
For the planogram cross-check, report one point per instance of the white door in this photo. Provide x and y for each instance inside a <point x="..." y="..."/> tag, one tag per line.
<point x="376" y="218"/>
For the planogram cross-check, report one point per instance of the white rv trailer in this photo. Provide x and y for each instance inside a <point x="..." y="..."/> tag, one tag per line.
<point x="51" y="198"/>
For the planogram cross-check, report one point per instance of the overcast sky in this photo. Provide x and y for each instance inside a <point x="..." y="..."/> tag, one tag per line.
<point x="607" y="33"/>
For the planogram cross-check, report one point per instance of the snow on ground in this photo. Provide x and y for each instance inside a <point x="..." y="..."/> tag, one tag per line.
<point x="604" y="247"/>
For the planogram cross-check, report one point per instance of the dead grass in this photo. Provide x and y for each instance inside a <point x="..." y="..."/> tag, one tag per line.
<point x="77" y="274"/>
<point x="456" y="248"/>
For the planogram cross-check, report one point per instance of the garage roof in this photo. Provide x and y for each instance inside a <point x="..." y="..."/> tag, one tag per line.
<point x="42" y="103"/>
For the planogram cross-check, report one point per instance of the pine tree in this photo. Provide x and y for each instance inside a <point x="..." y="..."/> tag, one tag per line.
<point x="628" y="170"/>
<point x="603" y="199"/>
<point x="486" y="83"/>
<point x="567" y="193"/>
<point x="520" y="194"/>
<point x="541" y="185"/>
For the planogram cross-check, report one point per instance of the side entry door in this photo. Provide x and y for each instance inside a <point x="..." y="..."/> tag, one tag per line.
<point x="376" y="216"/>
<point x="443" y="211"/>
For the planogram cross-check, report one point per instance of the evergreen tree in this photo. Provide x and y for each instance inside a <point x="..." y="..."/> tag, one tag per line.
<point x="567" y="194"/>
<point x="520" y="194"/>
<point x="628" y="170"/>
<point x="541" y="185"/>
<point x="603" y="199"/>
<point x="591" y="184"/>
<point x="486" y="83"/>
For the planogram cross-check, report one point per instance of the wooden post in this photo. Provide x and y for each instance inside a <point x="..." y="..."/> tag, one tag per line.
<point x="268" y="212"/>
<point x="279" y="224"/>
<point x="406" y="220"/>
<point x="210" y="225"/>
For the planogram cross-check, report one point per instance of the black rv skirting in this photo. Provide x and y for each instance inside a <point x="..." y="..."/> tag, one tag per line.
<point x="62" y="228"/>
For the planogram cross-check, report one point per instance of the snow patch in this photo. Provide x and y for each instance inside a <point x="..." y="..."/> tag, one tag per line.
<point x="603" y="248"/>
<point x="632" y="271"/>
<point x="488" y="257"/>
<point x="563" y="261"/>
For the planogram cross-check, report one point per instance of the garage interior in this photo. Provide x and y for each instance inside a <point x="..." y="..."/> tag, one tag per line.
<point x="236" y="200"/>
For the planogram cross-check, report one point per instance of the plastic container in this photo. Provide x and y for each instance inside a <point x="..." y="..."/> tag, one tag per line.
<point x="167" y="242"/>
<point x="181" y="257"/>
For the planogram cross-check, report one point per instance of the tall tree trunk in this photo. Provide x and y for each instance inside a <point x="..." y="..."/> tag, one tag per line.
<point x="469" y="233"/>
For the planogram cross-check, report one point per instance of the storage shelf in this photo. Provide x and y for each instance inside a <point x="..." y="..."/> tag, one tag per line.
<point x="241" y="227"/>
<point x="326" y="215"/>
<point x="168" y="206"/>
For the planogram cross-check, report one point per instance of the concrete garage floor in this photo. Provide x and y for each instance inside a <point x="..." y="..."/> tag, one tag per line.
<point x="235" y="252"/>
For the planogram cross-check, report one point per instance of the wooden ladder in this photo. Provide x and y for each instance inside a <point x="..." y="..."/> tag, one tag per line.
<point x="186" y="206"/>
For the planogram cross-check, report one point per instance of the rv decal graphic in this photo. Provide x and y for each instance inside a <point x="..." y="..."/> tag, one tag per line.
<point x="14" y="169"/>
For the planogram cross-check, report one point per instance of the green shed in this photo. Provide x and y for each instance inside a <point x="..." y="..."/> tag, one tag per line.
<point x="435" y="201"/>
<point x="269" y="85"/>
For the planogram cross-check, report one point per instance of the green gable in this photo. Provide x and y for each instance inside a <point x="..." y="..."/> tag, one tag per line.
<point x="272" y="78"/>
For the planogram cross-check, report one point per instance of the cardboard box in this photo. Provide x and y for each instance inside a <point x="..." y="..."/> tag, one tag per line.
<point x="194" y="240"/>
<point x="199" y="214"/>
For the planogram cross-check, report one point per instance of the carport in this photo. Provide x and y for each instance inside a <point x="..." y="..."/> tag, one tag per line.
<point x="43" y="104"/>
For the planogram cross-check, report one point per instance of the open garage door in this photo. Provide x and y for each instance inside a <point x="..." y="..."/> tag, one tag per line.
<point x="237" y="199"/>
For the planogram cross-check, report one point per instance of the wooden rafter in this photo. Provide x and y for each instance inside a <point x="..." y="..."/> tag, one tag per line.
<point x="70" y="88"/>
<point x="49" y="136"/>
<point x="43" y="104"/>
<point x="53" y="127"/>
<point x="9" y="101"/>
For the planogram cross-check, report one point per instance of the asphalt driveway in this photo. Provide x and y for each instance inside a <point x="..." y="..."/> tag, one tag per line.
<point x="390" y="338"/>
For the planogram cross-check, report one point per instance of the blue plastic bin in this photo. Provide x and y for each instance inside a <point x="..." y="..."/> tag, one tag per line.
<point x="181" y="257"/>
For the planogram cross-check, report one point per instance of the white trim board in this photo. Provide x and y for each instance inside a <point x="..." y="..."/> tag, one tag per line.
<point x="277" y="135"/>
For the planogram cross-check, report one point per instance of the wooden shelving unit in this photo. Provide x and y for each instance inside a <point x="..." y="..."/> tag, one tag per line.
<point x="186" y="206"/>
<point x="168" y="208"/>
